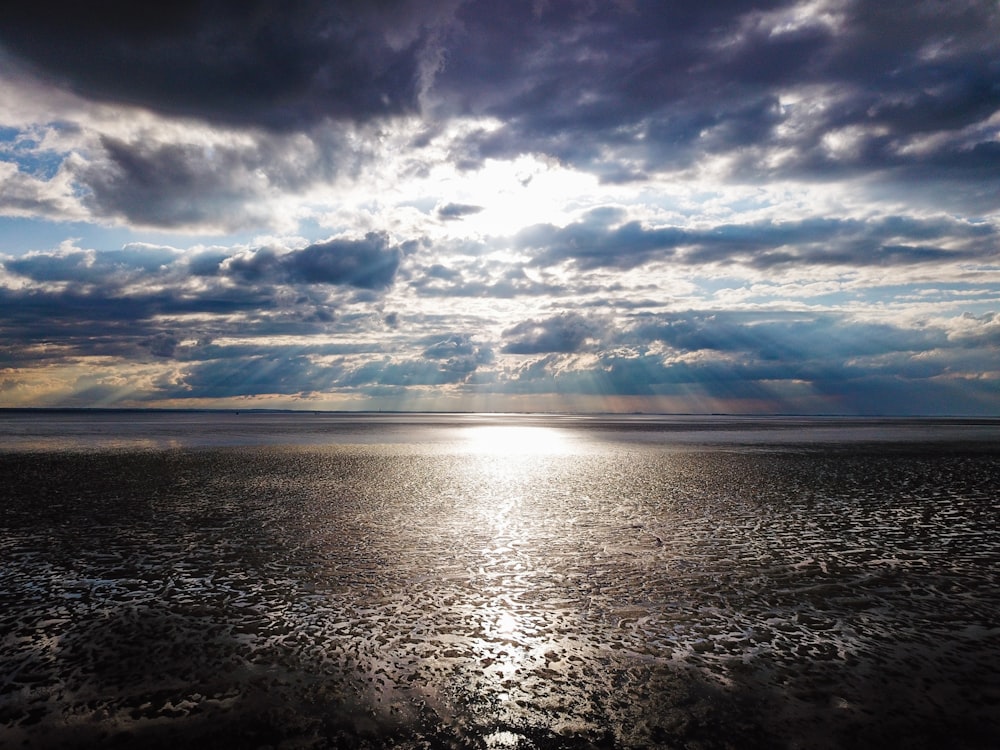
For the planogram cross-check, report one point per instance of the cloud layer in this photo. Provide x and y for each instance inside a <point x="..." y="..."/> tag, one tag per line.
<point x="777" y="206"/>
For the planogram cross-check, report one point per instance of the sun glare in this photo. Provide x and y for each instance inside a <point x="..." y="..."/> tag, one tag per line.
<point x="514" y="440"/>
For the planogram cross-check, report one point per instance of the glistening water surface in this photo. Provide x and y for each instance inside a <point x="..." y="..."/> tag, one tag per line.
<point x="498" y="582"/>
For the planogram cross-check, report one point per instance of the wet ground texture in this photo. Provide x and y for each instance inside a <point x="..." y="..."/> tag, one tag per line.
<point x="375" y="596"/>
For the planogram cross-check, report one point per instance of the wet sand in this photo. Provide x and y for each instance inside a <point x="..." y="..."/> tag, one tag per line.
<point x="376" y="596"/>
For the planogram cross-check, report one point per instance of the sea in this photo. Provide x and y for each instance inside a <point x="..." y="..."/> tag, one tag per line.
<point x="497" y="581"/>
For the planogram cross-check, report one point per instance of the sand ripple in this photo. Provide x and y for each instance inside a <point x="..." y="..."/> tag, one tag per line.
<point x="361" y="596"/>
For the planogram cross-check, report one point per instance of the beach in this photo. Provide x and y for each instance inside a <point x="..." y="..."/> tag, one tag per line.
<point x="498" y="582"/>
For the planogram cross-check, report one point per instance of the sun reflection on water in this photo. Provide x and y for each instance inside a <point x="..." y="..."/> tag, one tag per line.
<point x="505" y="467"/>
<point x="515" y="440"/>
<point x="507" y="625"/>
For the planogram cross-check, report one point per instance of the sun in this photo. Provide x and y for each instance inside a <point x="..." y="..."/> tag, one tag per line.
<point x="517" y="193"/>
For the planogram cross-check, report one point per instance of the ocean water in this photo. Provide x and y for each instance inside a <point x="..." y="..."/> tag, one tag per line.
<point x="497" y="581"/>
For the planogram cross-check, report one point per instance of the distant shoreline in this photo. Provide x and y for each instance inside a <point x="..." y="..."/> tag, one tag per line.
<point x="972" y="419"/>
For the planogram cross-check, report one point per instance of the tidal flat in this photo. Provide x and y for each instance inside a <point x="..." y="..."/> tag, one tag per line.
<point x="310" y="581"/>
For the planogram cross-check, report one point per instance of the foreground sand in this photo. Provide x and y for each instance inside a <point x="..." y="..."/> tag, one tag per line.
<point x="363" y="598"/>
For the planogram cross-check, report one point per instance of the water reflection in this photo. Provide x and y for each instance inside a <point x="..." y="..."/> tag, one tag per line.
<point x="483" y="595"/>
<point x="508" y="466"/>
<point x="515" y="440"/>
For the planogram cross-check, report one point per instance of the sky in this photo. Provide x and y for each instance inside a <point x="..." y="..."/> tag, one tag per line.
<point x="467" y="205"/>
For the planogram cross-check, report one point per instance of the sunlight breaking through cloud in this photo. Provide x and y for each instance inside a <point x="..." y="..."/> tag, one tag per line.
<point x="555" y="184"/>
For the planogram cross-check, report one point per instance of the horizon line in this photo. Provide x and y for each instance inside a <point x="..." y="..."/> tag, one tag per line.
<point x="265" y="410"/>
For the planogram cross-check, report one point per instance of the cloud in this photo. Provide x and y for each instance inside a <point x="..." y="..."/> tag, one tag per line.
<point x="473" y="274"/>
<point x="146" y="300"/>
<point x="782" y="204"/>
<point x="591" y="243"/>
<point x="62" y="326"/>
<point x="791" y="338"/>
<point x="567" y="332"/>
<point x="456" y="345"/>
<point x="705" y="384"/>
<point x="25" y="194"/>
<point x="451" y="211"/>
<point x="206" y="180"/>
<point x="458" y="355"/>
<point x="596" y="241"/>
<point x="896" y="98"/>
<point x="624" y="90"/>
<point x="110" y="267"/>
<point x="369" y="263"/>
<point x="978" y="330"/>
<point x="163" y="344"/>
<point x="171" y="185"/>
<point x="776" y="361"/>
<point x="277" y="372"/>
<point x="409" y="372"/>
<point x="261" y="63"/>
<point x="781" y="88"/>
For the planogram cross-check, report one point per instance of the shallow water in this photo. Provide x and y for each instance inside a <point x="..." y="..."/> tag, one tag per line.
<point x="498" y="582"/>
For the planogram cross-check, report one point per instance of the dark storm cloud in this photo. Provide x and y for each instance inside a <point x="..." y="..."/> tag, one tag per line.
<point x="596" y="242"/>
<point x="568" y="332"/>
<point x="185" y="184"/>
<point x="369" y="263"/>
<point x="276" y="372"/>
<point x="626" y="89"/>
<point x="163" y="344"/>
<point x="619" y="88"/>
<point x="111" y="266"/>
<point x="774" y="358"/>
<point x="262" y="62"/>
<point x="897" y="93"/>
<point x="129" y="302"/>
<point x="458" y="355"/>
<point x="591" y="243"/>
<point x="446" y="360"/>
<point x="64" y="325"/>
<point x="409" y="372"/>
<point x="790" y="339"/>
<point x="166" y="185"/>
<point x="451" y="211"/>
